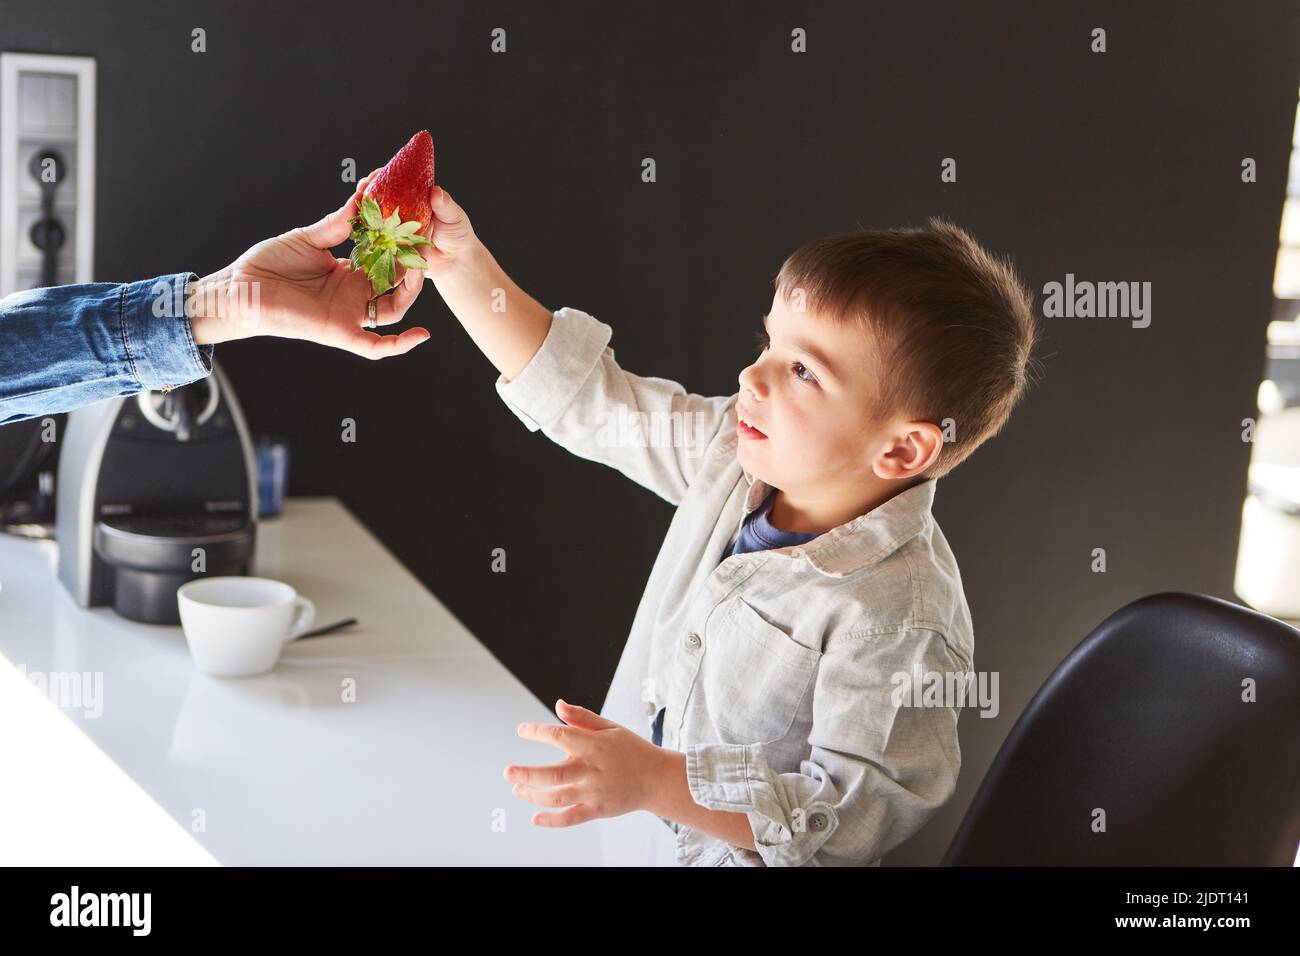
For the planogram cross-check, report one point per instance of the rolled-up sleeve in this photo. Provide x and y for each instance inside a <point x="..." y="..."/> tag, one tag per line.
<point x="73" y="345"/>
<point x="881" y="761"/>
<point x="575" y="392"/>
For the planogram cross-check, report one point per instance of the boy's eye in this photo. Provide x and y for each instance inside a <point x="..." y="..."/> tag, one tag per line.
<point x="762" y="341"/>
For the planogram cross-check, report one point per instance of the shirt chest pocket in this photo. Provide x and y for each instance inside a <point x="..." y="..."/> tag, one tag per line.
<point x="755" y="676"/>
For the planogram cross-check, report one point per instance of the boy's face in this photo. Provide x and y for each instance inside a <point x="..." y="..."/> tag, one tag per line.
<point x="812" y="395"/>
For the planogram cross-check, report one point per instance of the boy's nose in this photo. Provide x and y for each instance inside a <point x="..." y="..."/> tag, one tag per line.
<point x="751" y="380"/>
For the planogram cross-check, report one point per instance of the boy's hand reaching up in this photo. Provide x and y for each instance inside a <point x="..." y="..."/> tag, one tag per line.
<point x="453" y="237"/>
<point x="504" y="321"/>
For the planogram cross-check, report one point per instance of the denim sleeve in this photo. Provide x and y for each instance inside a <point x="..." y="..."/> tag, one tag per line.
<point x="880" y="766"/>
<point x="66" y="346"/>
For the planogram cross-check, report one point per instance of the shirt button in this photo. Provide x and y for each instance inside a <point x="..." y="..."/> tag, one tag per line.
<point x="692" y="641"/>
<point x="817" y="821"/>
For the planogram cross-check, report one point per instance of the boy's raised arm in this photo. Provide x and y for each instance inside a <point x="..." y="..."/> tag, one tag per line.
<point x="559" y="374"/>
<point x="505" y="322"/>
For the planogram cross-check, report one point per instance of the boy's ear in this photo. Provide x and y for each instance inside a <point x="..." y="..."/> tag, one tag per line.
<point x="915" y="446"/>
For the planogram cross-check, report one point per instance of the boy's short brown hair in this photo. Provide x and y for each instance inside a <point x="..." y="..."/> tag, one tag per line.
<point x="954" y="327"/>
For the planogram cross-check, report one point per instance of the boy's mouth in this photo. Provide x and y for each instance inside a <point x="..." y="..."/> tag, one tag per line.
<point x="744" y="428"/>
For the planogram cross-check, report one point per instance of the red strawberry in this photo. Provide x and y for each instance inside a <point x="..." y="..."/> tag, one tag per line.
<point x="394" y="211"/>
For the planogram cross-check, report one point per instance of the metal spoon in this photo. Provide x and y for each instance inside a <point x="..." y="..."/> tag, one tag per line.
<point x="328" y="628"/>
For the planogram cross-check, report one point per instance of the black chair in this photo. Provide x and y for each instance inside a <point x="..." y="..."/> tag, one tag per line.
<point x="1145" y="720"/>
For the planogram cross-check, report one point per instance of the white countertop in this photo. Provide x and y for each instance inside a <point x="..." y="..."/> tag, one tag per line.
<point x="178" y="767"/>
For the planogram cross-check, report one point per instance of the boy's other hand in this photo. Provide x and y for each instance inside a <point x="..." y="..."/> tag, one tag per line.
<point x="609" y="770"/>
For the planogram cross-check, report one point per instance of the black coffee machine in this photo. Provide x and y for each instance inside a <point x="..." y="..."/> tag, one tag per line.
<point x="154" y="490"/>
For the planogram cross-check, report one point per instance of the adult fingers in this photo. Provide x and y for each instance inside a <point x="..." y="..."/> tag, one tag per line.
<point x="365" y="181"/>
<point x="392" y="308"/>
<point x="412" y="278"/>
<point x="371" y="345"/>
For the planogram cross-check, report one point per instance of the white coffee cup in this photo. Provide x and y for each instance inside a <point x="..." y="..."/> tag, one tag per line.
<point x="236" y="626"/>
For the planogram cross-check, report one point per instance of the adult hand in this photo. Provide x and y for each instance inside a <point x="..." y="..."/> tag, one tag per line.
<point x="294" y="287"/>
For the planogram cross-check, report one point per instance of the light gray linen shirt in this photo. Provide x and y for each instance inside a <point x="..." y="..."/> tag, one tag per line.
<point x="778" y="668"/>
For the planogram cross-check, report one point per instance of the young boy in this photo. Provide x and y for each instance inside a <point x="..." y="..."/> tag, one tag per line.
<point x="803" y="582"/>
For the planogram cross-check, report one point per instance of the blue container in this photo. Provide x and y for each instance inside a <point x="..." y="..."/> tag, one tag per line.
<point x="272" y="474"/>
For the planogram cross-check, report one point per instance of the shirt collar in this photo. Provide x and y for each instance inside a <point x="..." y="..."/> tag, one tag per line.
<point x="866" y="539"/>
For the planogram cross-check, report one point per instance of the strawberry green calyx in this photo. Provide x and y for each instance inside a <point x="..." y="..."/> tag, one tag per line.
<point x="382" y="244"/>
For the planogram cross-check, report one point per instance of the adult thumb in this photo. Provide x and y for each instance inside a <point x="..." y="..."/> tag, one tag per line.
<point x="329" y="231"/>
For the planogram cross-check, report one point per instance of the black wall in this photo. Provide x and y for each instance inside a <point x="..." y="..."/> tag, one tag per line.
<point x="1123" y="166"/>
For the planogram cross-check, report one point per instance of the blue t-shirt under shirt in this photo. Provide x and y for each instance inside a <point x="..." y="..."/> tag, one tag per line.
<point x="756" y="534"/>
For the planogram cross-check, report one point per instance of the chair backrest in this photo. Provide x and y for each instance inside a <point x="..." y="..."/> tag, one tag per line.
<point x="1149" y="722"/>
